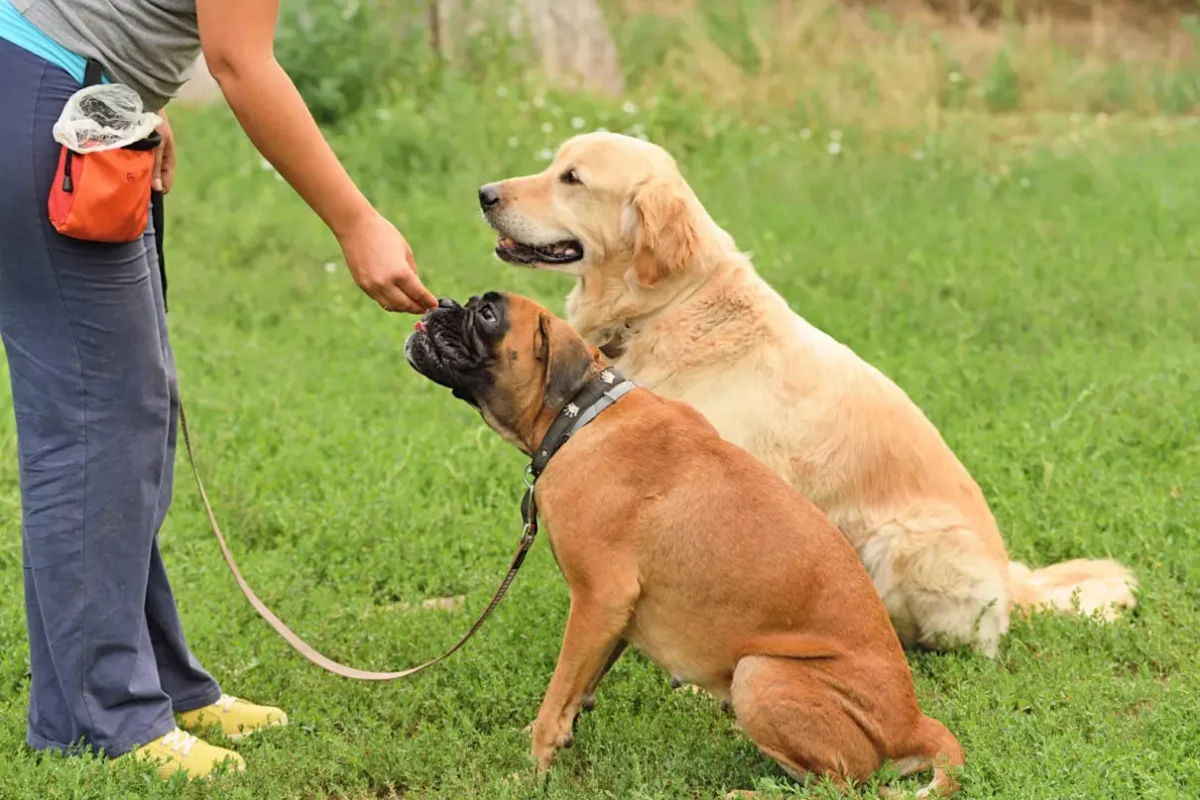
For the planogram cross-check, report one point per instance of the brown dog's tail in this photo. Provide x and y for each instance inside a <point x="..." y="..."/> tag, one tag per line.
<point x="936" y="747"/>
<point x="1102" y="585"/>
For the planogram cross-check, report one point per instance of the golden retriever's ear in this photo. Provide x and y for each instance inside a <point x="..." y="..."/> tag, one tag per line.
<point x="667" y="235"/>
<point x="568" y="361"/>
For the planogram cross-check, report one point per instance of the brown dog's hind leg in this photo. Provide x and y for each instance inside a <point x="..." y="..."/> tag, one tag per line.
<point x="799" y="721"/>
<point x="935" y="746"/>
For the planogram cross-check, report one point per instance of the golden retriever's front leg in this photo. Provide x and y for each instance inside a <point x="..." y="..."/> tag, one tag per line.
<point x="594" y="628"/>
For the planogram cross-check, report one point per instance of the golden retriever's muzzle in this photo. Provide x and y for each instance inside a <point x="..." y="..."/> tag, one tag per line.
<point x="518" y="243"/>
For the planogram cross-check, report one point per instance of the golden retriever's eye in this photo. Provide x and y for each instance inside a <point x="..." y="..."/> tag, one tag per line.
<point x="570" y="177"/>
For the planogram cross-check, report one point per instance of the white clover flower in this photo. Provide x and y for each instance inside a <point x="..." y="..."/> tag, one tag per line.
<point x="383" y="114"/>
<point x="805" y="133"/>
<point x="629" y="107"/>
<point x="637" y="129"/>
<point x="545" y="154"/>
<point x="266" y="165"/>
<point x="835" y="148"/>
<point x="918" y="155"/>
<point x="577" y="123"/>
<point x="330" y="267"/>
<point x="513" y="141"/>
<point x="955" y="77"/>
<point x="538" y="101"/>
<point x="547" y="127"/>
<point x="502" y="91"/>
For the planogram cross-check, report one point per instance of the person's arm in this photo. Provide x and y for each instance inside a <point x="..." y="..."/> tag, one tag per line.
<point x="237" y="37"/>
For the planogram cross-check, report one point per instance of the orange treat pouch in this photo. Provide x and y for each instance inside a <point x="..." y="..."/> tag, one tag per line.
<point x="103" y="195"/>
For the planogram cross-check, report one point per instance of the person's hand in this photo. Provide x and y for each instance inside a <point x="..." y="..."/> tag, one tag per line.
<point x="164" y="158"/>
<point x="383" y="266"/>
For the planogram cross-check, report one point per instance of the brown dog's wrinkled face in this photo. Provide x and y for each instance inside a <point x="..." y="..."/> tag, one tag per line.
<point x="507" y="356"/>
<point x="607" y="202"/>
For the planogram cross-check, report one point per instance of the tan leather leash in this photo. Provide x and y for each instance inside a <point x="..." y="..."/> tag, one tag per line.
<point x="528" y="511"/>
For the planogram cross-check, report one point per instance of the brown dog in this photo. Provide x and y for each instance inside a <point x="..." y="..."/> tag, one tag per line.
<point x="685" y="546"/>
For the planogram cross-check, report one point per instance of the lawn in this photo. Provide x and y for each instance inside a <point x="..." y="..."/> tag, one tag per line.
<point x="1039" y="303"/>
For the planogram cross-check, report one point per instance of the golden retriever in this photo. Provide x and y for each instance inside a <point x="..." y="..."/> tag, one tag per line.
<point x="668" y="297"/>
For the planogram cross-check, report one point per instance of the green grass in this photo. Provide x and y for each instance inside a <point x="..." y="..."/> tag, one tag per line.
<point x="1042" y="309"/>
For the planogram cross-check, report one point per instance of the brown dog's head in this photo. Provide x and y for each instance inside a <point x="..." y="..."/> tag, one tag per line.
<point x="607" y="202"/>
<point x="506" y="355"/>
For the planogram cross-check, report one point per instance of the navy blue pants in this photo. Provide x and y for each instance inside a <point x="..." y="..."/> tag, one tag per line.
<point x="94" y="392"/>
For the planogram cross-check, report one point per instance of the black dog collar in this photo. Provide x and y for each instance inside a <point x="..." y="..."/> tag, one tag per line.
<point x="597" y="394"/>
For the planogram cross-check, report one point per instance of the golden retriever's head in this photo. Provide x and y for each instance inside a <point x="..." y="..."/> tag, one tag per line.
<point x="607" y="202"/>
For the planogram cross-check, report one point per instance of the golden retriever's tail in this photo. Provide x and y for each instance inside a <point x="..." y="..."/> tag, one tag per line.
<point x="1102" y="585"/>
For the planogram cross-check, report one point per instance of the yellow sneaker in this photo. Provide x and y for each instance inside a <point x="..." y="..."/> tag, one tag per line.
<point x="179" y="752"/>
<point x="235" y="717"/>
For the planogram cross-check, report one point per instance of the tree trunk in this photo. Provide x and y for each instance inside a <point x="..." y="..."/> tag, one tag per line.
<point x="571" y="37"/>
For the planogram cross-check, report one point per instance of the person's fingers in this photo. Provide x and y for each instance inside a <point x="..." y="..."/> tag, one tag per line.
<point x="168" y="169"/>
<point x="412" y="287"/>
<point x="393" y="298"/>
<point x="156" y="181"/>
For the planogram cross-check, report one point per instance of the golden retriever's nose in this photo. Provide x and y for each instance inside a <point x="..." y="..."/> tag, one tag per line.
<point x="489" y="196"/>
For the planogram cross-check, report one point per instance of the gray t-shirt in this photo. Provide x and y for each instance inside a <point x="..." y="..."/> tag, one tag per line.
<point x="149" y="45"/>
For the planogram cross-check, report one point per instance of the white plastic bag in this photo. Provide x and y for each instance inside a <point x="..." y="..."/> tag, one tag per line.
<point x="104" y="117"/>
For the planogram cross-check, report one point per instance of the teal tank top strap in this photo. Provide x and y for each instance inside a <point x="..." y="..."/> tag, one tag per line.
<point x="17" y="30"/>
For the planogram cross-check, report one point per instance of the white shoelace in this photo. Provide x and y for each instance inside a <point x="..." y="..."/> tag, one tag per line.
<point x="179" y="741"/>
<point x="226" y="703"/>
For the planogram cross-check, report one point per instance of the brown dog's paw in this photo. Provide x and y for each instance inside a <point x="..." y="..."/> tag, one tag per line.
<point x="589" y="702"/>
<point x="543" y="758"/>
<point x="547" y="743"/>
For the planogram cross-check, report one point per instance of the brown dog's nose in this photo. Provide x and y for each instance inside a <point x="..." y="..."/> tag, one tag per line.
<point x="489" y="196"/>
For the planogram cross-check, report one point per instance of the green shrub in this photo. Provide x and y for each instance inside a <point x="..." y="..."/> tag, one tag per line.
<point x="341" y="54"/>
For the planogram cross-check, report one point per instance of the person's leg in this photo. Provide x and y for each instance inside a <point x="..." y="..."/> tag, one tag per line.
<point x="181" y="675"/>
<point x="92" y="402"/>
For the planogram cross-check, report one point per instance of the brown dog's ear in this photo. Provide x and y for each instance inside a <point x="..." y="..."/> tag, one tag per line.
<point x="667" y="235"/>
<point x="568" y="361"/>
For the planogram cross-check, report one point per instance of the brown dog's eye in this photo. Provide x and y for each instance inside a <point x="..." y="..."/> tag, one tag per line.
<point x="570" y="177"/>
